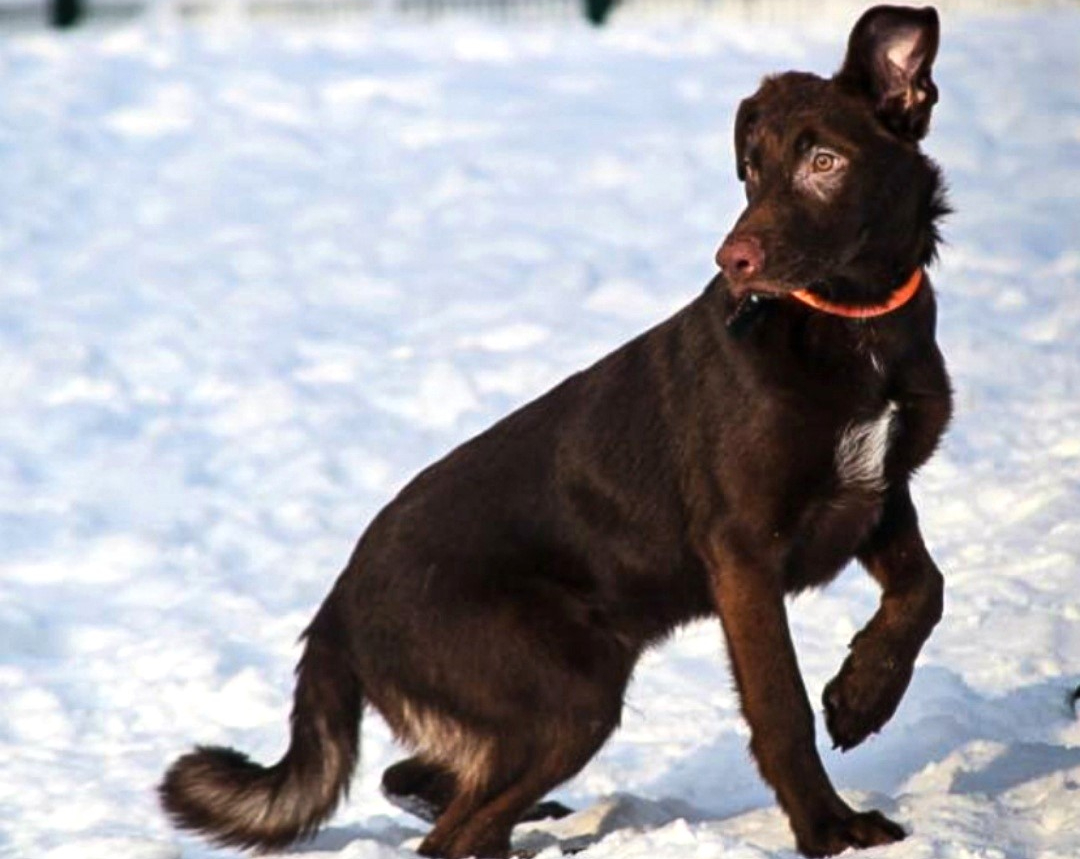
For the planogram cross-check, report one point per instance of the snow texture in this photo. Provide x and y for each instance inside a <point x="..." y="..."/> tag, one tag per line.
<point x="255" y="278"/>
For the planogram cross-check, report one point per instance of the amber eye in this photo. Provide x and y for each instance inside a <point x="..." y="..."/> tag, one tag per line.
<point x="823" y="162"/>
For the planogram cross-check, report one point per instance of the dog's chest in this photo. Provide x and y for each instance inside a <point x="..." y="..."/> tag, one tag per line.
<point x="835" y="519"/>
<point x="861" y="450"/>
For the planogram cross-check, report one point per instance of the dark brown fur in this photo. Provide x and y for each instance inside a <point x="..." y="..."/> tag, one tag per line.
<point x="743" y="450"/>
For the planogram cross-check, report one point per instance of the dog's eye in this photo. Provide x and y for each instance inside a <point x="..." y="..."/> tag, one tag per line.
<point x="823" y="162"/>
<point x="820" y="173"/>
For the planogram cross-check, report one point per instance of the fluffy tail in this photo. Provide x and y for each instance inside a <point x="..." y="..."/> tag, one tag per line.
<point x="235" y="802"/>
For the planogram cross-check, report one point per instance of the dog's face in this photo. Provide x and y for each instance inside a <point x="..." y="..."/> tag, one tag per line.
<point x="839" y="197"/>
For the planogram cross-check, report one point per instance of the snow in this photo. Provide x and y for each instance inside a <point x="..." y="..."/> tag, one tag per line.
<point x="255" y="277"/>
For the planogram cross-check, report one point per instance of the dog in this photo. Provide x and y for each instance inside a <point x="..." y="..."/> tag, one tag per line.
<point x="743" y="450"/>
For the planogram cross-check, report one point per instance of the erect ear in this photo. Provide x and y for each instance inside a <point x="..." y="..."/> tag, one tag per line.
<point x="744" y="118"/>
<point x="890" y="54"/>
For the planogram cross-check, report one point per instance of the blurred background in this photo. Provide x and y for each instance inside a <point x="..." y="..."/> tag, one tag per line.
<point x="64" y="13"/>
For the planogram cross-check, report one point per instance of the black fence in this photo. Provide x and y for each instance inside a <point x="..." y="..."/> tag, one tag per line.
<point x="68" y="13"/>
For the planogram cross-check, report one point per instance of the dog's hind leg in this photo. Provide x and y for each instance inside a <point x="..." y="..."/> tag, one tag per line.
<point x="425" y="789"/>
<point x="420" y="787"/>
<point x="485" y="828"/>
<point x="867" y="690"/>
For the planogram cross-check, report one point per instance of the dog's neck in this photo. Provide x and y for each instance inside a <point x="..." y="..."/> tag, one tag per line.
<point x="897" y="299"/>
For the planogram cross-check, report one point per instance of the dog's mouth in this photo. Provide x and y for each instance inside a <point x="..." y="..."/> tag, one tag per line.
<point x="751" y="295"/>
<point x="749" y="298"/>
<point x="760" y="289"/>
<point x="768" y="287"/>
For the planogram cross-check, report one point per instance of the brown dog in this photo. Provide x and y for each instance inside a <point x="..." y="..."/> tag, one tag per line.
<point x="745" y="449"/>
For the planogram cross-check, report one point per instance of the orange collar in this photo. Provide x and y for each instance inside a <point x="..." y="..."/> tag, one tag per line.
<point x="901" y="296"/>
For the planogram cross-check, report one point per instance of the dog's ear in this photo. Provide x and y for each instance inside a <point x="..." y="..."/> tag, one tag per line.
<point x="744" y="118"/>
<point x="890" y="55"/>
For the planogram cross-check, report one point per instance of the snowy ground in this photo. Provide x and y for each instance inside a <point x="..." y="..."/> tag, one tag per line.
<point x="252" y="280"/>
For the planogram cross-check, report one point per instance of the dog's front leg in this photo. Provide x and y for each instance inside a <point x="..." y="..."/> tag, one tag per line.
<point x="750" y="601"/>
<point x="866" y="692"/>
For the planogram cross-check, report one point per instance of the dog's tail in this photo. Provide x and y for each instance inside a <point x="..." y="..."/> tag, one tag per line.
<point x="235" y="802"/>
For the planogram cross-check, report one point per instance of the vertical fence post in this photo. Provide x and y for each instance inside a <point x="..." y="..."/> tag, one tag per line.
<point x="597" y="10"/>
<point x="65" y="13"/>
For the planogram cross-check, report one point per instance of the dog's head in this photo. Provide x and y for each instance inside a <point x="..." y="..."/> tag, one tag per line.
<point x="840" y="199"/>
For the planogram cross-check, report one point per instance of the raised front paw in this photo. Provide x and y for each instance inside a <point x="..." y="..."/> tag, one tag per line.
<point x="835" y="834"/>
<point x="863" y="696"/>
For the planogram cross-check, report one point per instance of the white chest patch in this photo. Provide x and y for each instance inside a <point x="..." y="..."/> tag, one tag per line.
<point x="860" y="453"/>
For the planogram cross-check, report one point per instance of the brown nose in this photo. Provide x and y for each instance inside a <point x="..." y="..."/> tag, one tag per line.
<point x="741" y="257"/>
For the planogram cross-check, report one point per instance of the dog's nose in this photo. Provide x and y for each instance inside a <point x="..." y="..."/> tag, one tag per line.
<point x="741" y="257"/>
